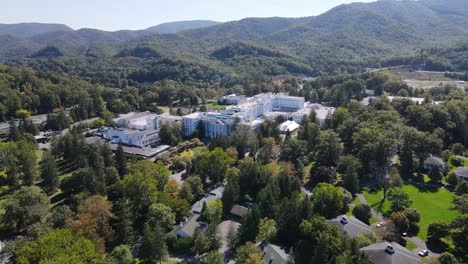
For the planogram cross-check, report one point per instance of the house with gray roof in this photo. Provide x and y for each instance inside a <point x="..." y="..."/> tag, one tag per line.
<point x="350" y="225"/>
<point x="462" y="174"/>
<point x="238" y="211"/>
<point x="210" y="197"/>
<point x="434" y="162"/>
<point x="390" y="253"/>
<point x="273" y="254"/>
<point x="188" y="227"/>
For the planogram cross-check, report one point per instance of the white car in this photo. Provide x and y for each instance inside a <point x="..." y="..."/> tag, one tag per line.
<point x="423" y="253"/>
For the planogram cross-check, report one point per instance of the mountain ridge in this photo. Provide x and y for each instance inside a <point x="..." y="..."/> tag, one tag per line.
<point x="343" y="39"/>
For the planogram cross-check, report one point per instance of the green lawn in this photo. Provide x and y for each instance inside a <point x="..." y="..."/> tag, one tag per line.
<point x="410" y="245"/>
<point x="452" y="168"/>
<point x="215" y="106"/>
<point x="433" y="205"/>
<point x="192" y="152"/>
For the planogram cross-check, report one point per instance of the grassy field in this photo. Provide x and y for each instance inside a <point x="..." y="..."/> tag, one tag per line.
<point x="192" y="152"/>
<point x="410" y="245"/>
<point x="215" y="106"/>
<point x="433" y="205"/>
<point x="424" y="79"/>
<point x="452" y="168"/>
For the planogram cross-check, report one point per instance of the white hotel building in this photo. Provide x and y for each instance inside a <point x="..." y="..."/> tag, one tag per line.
<point x="138" y="129"/>
<point x="251" y="111"/>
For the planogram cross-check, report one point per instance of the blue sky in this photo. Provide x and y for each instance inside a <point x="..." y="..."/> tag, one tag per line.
<point x="140" y="14"/>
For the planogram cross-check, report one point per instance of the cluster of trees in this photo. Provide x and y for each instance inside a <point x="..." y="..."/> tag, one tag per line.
<point x="43" y="92"/>
<point x="456" y="231"/>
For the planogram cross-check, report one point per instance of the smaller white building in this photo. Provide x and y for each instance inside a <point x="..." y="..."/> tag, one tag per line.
<point x="140" y="121"/>
<point x="232" y="99"/>
<point x="137" y="138"/>
<point x="290" y="126"/>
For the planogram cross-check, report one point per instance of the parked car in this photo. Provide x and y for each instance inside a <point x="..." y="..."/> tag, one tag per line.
<point x="389" y="249"/>
<point x="344" y="220"/>
<point x="423" y="253"/>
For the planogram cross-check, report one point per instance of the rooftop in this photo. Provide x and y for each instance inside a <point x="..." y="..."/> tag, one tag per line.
<point x="274" y="255"/>
<point x="215" y="194"/>
<point x="378" y="255"/>
<point x="137" y="132"/>
<point x="288" y="126"/>
<point x="239" y="210"/>
<point x="353" y="227"/>
<point x="134" y="115"/>
<point x="147" y="152"/>
<point x="188" y="228"/>
<point x="434" y="161"/>
<point x="462" y="171"/>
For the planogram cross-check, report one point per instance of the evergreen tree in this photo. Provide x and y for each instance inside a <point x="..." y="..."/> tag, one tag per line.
<point x="121" y="161"/>
<point x="14" y="134"/>
<point x="123" y="225"/>
<point x="153" y="245"/>
<point x="27" y="160"/>
<point x="406" y="162"/>
<point x="49" y="172"/>
<point x="249" y="226"/>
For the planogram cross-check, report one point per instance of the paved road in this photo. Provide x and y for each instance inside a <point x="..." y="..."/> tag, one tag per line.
<point x="461" y="157"/>
<point x="65" y="131"/>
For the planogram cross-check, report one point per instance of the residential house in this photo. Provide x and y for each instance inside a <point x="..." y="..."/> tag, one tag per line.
<point x="215" y="194"/>
<point x="434" y="162"/>
<point x="462" y="174"/>
<point x="273" y="254"/>
<point x="188" y="227"/>
<point x="350" y="225"/>
<point x="238" y="211"/>
<point x="390" y="253"/>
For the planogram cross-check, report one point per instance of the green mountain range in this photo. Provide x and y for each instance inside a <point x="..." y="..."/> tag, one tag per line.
<point x="344" y="39"/>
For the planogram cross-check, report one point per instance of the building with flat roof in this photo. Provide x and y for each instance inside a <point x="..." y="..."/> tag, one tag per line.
<point x="140" y="121"/>
<point x="138" y="129"/>
<point x="138" y="138"/>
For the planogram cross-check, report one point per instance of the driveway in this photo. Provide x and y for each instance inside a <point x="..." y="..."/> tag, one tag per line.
<point x="223" y="230"/>
<point x="178" y="177"/>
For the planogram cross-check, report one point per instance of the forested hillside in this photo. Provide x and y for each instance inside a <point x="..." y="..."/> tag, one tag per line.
<point x="342" y="40"/>
<point x="25" y="30"/>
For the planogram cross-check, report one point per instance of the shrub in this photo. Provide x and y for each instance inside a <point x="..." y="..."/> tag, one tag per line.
<point x="362" y="212"/>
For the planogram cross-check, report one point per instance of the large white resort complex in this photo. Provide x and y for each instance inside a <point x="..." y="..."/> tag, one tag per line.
<point x="252" y="111"/>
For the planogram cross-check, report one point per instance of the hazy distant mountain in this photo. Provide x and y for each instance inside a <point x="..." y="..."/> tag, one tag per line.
<point x="354" y="34"/>
<point x="25" y="30"/>
<point x="175" y="27"/>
